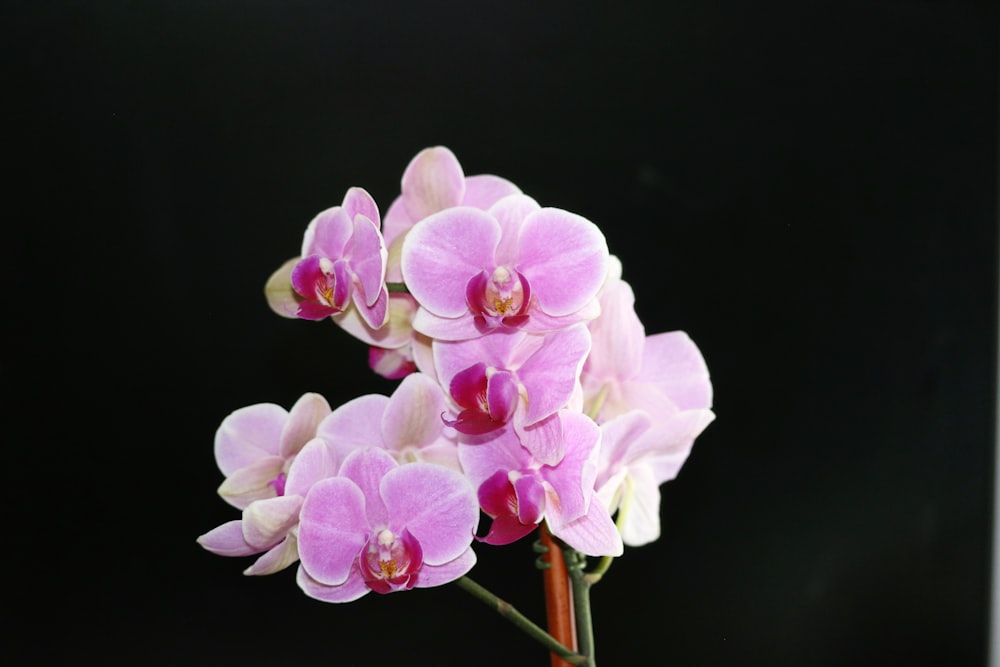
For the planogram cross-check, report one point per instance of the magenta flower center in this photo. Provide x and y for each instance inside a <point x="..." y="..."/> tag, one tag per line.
<point x="391" y="562"/>
<point x="502" y="297"/>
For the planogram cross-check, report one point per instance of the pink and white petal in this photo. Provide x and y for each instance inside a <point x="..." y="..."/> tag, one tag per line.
<point x="227" y="540"/>
<point x="618" y="436"/>
<point x="443" y="252"/>
<point x="593" y="534"/>
<point x="672" y="435"/>
<point x="251" y="483"/>
<point x="267" y="522"/>
<point x="367" y="467"/>
<point x="303" y="419"/>
<point x="357" y="201"/>
<point x="565" y="258"/>
<point x="541" y="322"/>
<point x="438" y="575"/>
<point x="355" y="424"/>
<point x="639" y="512"/>
<point x="281" y="297"/>
<point x="445" y="328"/>
<point x="502" y="452"/>
<point x="437" y="505"/>
<point x="573" y="477"/>
<point x="374" y="316"/>
<point x="413" y="415"/>
<point x="316" y="461"/>
<point x="432" y="182"/>
<point x="618" y="335"/>
<point x="351" y="589"/>
<point x="442" y="453"/>
<point x="550" y="374"/>
<point x="396" y="222"/>
<point x="368" y="258"/>
<point x="396" y="332"/>
<point x="279" y="557"/>
<point x="328" y="233"/>
<point x="248" y="435"/>
<point x="333" y="528"/>
<point x="544" y="439"/>
<point x="484" y="190"/>
<point x="394" y="364"/>
<point x="673" y="363"/>
<point x="510" y="213"/>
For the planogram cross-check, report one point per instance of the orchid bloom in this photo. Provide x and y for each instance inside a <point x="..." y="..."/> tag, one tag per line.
<point x="517" y="491"/>
<point x="514" y="266"/>
<point x="626" y="369"/>
<point x="432" y="182"/>
<point x="516" y="378"/>
<point x="407" y="424"/>
<point x="384" y="527"/>
<point x="257" y="447"/>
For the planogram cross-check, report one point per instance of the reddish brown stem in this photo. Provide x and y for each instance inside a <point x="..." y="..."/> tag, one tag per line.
<point x="558" y="598"/>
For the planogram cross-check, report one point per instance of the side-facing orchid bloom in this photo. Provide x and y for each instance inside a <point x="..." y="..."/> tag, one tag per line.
<point x="407" y="424"/>
<point x="515" y="266"/>
<point x="516" y="378"/>
<point x="639" y="454"/>
<point x="518" y="492"/>
<point x="257" y="447"/>
<point x="626" y="369"/>
<point x="343" y="262"/>
<point x="384" y="527"/>
<point x="432" y="182"/>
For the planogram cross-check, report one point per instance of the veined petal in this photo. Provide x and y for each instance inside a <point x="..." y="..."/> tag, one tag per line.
<point x="573" y="477"/>
<point x="618" y="335"/>
<point x="550" y="374"/>
<point x="281" y="297"/>
<point x="412" y="417"/>
<point x="510" y="213"/>
<point x="394" y="333"/>
<point x="443" y="252"/>
<point x="351" y="589"/>
<point x="316" y="461"/>
<point x="593" y="534"/>
<point x="437" y="575"/>
<point x="366" y="467"/>
<point x="375" y="315"/>
<point x="252" y="482"/>
<point x="248" y="435"/>
<point x="432" y="182"/>
<point x="673" y="363"/>
<point x="564" y="257"/>
<point x="303" y="419"/>
<point x="357" y="201"/>
<point x="355" y="424"/>
<point x="368" y="257"/>
<point x="332" y="529"/>
<point x="437" y="505"/>
<point x="328" y="233"/>
<point x="267" y="522"/>
<point x="275" y="559"/>
<point x="227" y="540"/>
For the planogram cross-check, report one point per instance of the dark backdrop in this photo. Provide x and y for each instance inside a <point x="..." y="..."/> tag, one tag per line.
<point x="807" y="188"/>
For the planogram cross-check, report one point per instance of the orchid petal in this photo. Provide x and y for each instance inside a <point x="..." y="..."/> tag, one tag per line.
<point x="437" y="575"/>
<point x="443" y="252"/>
<point x="673" y="363"/>
<point x="551" y="373"/>
<point x="432" y="182"/>
<point x="248" y="435"/>
<point x="275" y="559"/>
<point x="351" y="589"/>
<point x="332" y="529"/>
<point x="593" y="534"/>
<point x="316" y="461"/>
<point x="328" y="233"/>
<point x="484" y="190"/>
<point x="366" y="468"/>
<point x="368" y="256"/>
<point x="252" y="482"/>
<point x="639" y="513"/>
<point x="303" y="419"/>
<point x="281" y="297"/>
<point x="267" y="522"/>
<point x="227" y="540"/>
<point x="412" y="417"/>
<point x="564" y="257"/>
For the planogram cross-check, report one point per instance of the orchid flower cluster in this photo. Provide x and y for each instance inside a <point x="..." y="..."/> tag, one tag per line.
<point x="529" y="393"/>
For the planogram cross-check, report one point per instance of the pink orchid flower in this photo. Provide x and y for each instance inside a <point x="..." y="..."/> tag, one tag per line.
<point x="626" y="369"/>
<point x="514" y="378"/>
<point x="515" y="266"/>
<point x="384" y="527"/>
<point x="517" y="491"/>
<point x="257" y="447"/>
<point x="343" y="262"/>
<point x="406" y="424"/>
<point x="432" y="182"/>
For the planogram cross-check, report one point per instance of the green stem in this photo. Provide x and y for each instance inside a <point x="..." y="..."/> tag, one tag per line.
<point x="507" y="610"/>
<point x="397" y="287"/>
<point x="575" y="562"/>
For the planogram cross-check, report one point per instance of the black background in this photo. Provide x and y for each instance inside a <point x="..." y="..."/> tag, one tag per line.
<point x="808" y="189"/>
